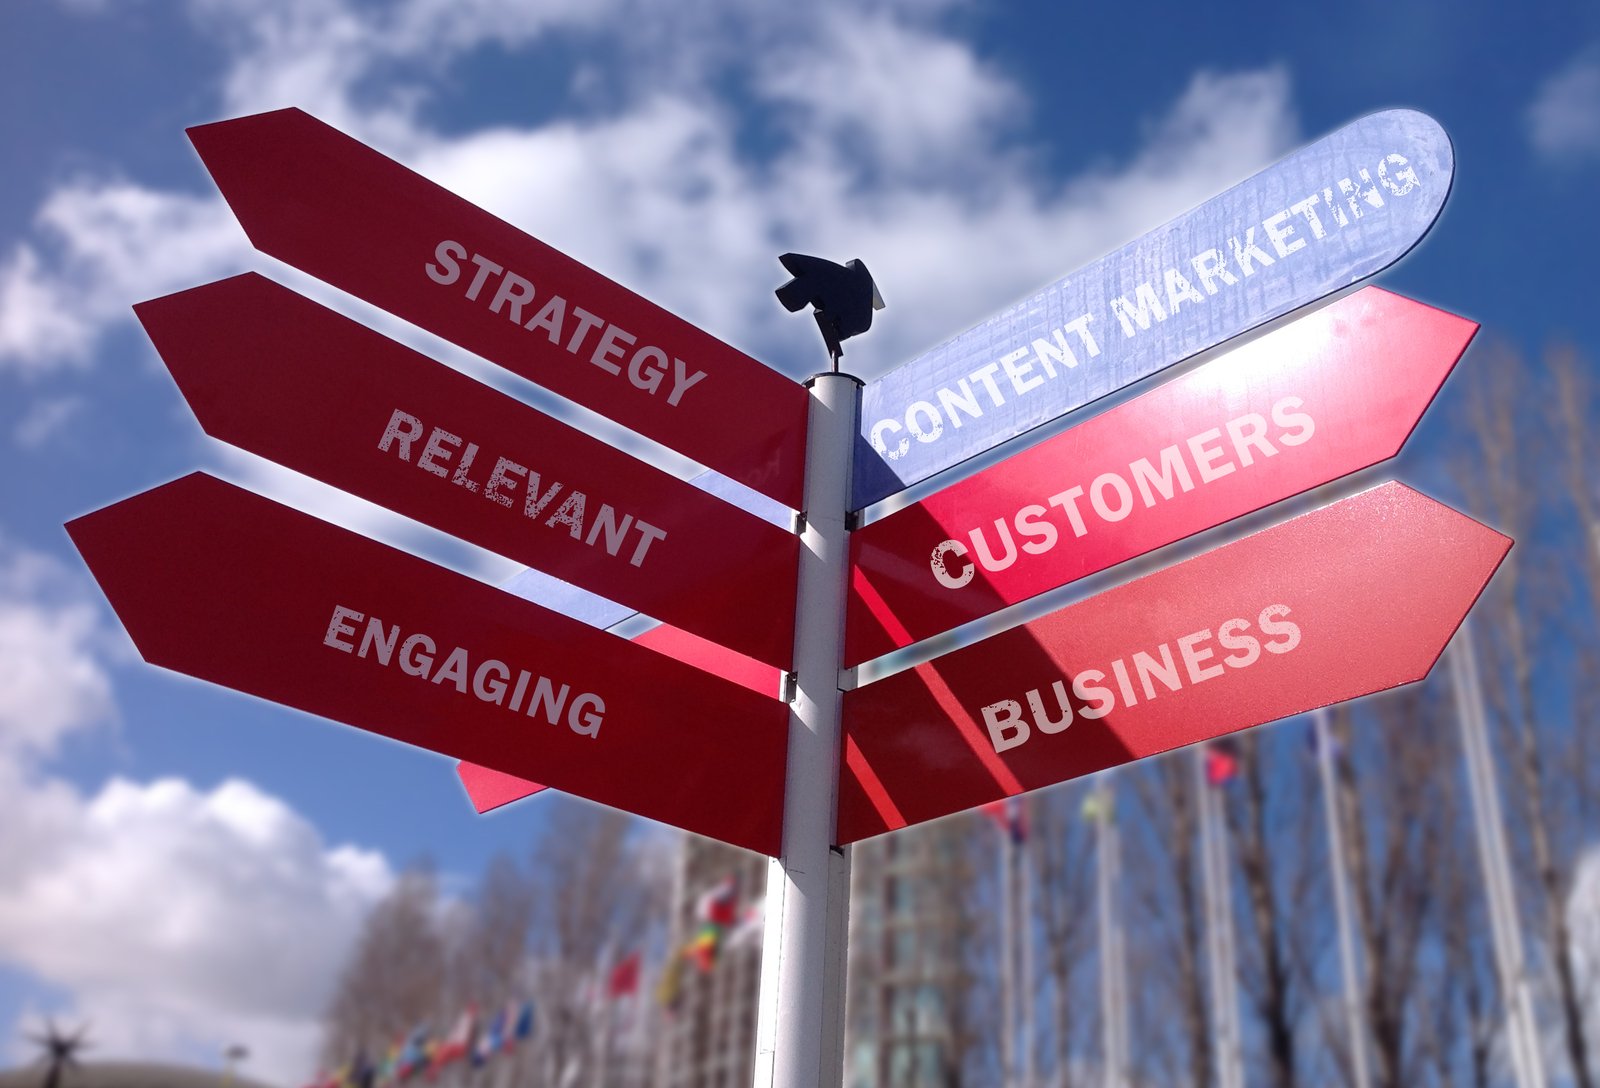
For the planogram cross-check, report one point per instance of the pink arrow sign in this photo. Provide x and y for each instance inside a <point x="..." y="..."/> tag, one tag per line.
<point x="280" y="376"/>
<point x="1350" y="599"/>
<point x="491" y="789"/>
<point x="313" y="197"/>
<point x="220" y="584"/>
<point x="1334" y="392"/>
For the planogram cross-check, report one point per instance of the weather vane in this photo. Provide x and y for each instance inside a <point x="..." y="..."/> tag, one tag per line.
<point x="842" y="297"/>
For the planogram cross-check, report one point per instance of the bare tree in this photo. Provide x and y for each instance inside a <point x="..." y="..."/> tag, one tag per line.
<point x="488" y="961"/>
<point x="1506" y="495"/>
<point x="1060" y="850"/>
<point x="590" y="894"/>
<point x="1273" y="837"/>
<point x="1171" y="911"/>
<point x="395" y="979"/>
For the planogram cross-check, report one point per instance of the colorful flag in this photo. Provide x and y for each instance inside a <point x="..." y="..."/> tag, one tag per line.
<point x="1222" y="763"/>
<point x="670" y="989"/>
<point x="719" y="904"/>
<point x="524" y="1027"/>
<point x="702" y="950"/>
<point x="1097" y="805"/>
<point x="624" y="977"/>
<point x="489" y="1041"/>
<point x="1010" y="815"/>
<point x="751" y="927"/>
<point x="458" y="1044"/>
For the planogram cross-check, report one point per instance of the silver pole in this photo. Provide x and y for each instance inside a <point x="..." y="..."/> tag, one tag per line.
<point x="1218" y="898"/>
<point x="800" y="1026"/>
<point x="1008" y="985"/>
<point x="1349" y="966"/>
<point x="1025" y="942"/>
<point x="1113" y="983"/>
<point x="1521" y="1027"/>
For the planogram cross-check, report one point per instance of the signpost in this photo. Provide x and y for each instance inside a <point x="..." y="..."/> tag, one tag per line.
<point x="1356" y="597"/>
<point x="1336" y="391"/>
<point x="220" y="584"/>
<point x="315" y="198"/>
<point x="280" y="376"/>
<point x="1351" y="599"/>
<point x="1330" y="215"/>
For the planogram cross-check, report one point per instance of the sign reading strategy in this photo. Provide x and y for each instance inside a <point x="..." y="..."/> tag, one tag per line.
<point x="217" y="583"/>
<point x="1354" y="598"/>
<point x="1333" y="392"/>
<point x="329" y="205"/>
<point x="1328" y="216"/>
<point x="289" y="380"/>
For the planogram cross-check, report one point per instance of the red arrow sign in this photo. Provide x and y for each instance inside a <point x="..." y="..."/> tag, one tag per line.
<point x="1334" y="392"/>
<point x="282" y="377"/>
<point x="220" y="584"/>
<point x="1344" y="601"/>
<point x="331" y="206"/>
<point x="490" y="789"/>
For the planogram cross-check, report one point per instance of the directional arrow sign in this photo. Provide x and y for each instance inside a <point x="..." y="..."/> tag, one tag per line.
<point x="1331" y="214"/>
<point x="1354" y="598"/>
<point x="1336" y="391"/>
<point x="282" y="377"/>
<point x="217" y="583"/>
<point x="490" y="789"/>
<point x="312" y="196"/>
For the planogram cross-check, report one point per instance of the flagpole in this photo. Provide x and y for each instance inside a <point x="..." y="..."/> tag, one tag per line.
<point x="1349" y="966"/>
<point x="1218" y="896"/>
<point x="1521" y="1027"/>
<point x="1008" y="1026"/>
<point x="800" y="1028"/>
<point x="1113" y="983"/>
<point x="1025" y="930"/>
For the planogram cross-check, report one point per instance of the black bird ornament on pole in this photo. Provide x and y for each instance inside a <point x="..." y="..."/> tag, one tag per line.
<point x="842" y="297"/>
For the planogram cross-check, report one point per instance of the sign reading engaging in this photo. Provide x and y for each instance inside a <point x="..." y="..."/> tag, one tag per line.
<point x="216" y="583"/>
<point x="1333" y="392"/>
<point x="490" y="789"/>
<point x="1350" y="599"/>
<point x="313" y="197"/>
<point x="1327" y="216"/>
<point x="280" y="376"/>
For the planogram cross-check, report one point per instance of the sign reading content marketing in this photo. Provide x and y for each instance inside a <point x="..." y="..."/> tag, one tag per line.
<point x="1327" y="216"/>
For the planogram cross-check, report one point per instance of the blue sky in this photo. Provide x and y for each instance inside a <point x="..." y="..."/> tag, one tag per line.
<point x="968" y="153"/>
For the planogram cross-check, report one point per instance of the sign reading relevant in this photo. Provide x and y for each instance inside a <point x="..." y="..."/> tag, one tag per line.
<point x="1347" y="600"/>
<point x="280" y="376"/>
<point x="1335" y="391"/>
<point x="490" y="789"/>
<point x="216" y="583"/>
<point x="1327" y="216"/>
<point x="313" y="197"/>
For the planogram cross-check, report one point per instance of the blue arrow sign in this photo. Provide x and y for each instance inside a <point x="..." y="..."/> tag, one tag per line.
<point x="1331" y="214"/>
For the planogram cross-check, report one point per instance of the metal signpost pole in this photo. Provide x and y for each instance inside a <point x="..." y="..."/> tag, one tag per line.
<point x="800" y="1034"/>
<point x="1521" y="1026"/>
<point x="1349" y="970"/>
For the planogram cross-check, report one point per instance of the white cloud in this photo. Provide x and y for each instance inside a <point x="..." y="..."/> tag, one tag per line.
<point x="889" y="140"/>
<point x="54" y="653"/>
<point x="1564" y="119"/>
<point x="45" y="419"/>
<point x="97" y="247"/>
<point x="177" y="920"/>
